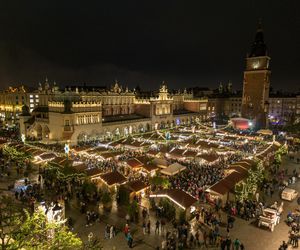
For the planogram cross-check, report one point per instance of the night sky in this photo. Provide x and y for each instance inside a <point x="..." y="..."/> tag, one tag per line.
<point x="185" y="43"/>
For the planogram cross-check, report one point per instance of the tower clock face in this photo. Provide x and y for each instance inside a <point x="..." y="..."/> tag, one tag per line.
<point x="256" y="64"/>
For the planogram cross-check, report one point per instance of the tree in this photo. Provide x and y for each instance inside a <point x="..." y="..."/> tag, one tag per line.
<point x="10" y="220"/>
<point x="106" y="198"/>
<point x="160" y="181"/>
<point x="277" y="159"/>
<point x="133" y="210"/>
<point x="36" y="232"/>
<point x="21" y="230"/>
<point x="244" y="190"/>
<point x="15" y="155"/>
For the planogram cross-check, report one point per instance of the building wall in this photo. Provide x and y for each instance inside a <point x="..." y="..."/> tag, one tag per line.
<point x="256" y="90"/>
<point x="143" y="109"/>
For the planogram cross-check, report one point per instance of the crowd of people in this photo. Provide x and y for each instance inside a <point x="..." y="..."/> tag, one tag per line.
<point x="194" y="181"/>
<point x="200" y="176"/>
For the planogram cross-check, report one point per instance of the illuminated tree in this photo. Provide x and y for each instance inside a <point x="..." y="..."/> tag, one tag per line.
<point x="10" y="220"/>
<point x="248" y="187"/>
<point x="21" y="230"/>
<point x="36" y="232"/>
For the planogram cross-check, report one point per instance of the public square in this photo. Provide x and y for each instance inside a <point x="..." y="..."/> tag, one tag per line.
<point x="165" y="125"/>
<point x="185" y="145"/>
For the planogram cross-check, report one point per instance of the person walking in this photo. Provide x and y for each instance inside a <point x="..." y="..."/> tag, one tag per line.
<point x="162" y="225"/>
<point x="129" y="240"/>
<point x="148" y="226"/>
<point x="157" y="224"/>
<point x="111" y="232"/>
<point x="127" y="217"/>
<point x="236" y="244"/>
<point x="144" y="227"/>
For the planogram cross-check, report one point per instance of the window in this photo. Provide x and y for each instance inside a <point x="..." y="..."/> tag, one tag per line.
<point x="31" y="100"/>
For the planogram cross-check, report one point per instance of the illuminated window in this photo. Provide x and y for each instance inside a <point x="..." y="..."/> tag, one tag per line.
<point x="31" y="96"/>
<point x="31" y="105"/>
<point x="31" y="100"/>
<point x="36" y="96"/>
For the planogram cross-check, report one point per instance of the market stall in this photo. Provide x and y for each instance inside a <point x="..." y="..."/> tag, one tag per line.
<point x="173" y="169"/>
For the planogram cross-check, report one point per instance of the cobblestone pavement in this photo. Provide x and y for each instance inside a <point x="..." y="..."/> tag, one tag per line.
<point x="254" y="238"/>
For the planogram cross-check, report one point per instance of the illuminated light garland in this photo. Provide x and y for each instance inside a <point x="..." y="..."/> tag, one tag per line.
<point x="167" y="196"/>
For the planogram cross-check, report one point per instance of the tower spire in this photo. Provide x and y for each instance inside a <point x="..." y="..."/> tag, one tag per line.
<point x="259" y="47"/>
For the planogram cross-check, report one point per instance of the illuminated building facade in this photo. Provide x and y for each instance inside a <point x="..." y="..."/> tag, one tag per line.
<point x="13" y="99"/>
<point x="78" y="114"/>
<point x="256" y="85"/>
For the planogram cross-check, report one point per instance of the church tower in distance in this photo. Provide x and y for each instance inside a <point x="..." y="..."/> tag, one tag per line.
<point x="256" y="83"/>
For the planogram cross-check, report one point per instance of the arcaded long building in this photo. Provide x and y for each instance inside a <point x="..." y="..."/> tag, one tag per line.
<point x="78" y="114"/>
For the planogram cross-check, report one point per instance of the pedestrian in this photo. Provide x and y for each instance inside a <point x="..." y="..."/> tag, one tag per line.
<point x="144" y="227"/>
<point x="129" y="240"/>
<point x="164" y="245"/>
<point x="228" y="243"/>
<point x="162" y="225"/>
<point x="126" y="230"/>
<point x="236" y="244"/>
<point x="157" y="224"/>
<point x="111" y="232"/>
<point x="127" y="217"/>
<point x="148" y="226"/>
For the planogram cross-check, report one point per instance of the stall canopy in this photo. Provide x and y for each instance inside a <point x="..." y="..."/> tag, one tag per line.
<point x="227" y="184"/>
<point x="177" y="196"/>
<point x="110" y="154"/>
<point x="47" y="156"/>
<point x="93" y="172"/>
<point x="161" y="162"/>
<point x="173" y="169"/>
<point x="134" y="163"/>
<point x="137" y="186"/>
<point x="210" y="158"/>
<point x="265" y="132"/>
<point x="113" y="178"/>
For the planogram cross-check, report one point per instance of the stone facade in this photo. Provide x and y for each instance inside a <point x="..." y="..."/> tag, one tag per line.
<point x="256" y="85"/>
<point x="75" y="115"/>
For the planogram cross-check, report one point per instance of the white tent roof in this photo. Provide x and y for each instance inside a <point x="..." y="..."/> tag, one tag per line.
<point x="265" y="132"/>
<point x="173" y="169"/>
<point x="160" y="162"/>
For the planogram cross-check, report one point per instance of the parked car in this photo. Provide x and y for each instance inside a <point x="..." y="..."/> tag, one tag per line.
<point x="270" y="218"/>
<point x="289" y="194"/>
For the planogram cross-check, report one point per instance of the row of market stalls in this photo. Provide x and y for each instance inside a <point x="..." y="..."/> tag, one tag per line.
<point x="238" y="172"/>
<point x="39" y="155"/>
<point x="224" y="189"/>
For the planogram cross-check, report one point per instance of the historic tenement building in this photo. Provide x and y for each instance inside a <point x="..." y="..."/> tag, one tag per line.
<point x="256" y="83"/>
<point x="13" y="99"/>
<point x="82" y="113"/>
